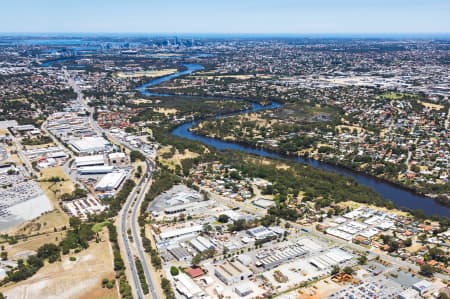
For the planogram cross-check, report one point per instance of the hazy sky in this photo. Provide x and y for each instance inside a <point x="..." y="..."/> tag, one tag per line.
<point x="226" y="16"/>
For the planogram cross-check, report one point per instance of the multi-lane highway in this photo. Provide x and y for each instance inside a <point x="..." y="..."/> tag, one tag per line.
<point x="128" y="216"/>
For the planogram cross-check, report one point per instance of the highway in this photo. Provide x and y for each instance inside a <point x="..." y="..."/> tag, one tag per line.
<point x="130" y="208"/>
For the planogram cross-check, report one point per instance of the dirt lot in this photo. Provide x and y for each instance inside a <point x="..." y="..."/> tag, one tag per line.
<point x="70" y="279"/>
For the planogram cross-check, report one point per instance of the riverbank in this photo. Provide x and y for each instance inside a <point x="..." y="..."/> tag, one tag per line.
<point x="401" y="198"/>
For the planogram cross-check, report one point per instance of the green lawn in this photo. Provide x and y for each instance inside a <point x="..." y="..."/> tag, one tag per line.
<point x="99" y="226"/>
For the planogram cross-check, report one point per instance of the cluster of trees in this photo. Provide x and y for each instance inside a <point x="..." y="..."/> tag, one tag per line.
<point x="136" y="155"/>
<point x="78" y="236"/>
<point x="141" y="274"/>
<point x="116" y="202"/>
<point x="28" y="268"/>
<point x="119" y="266"/>
<point x="207" y="254"/>
<point x="76" y="194"/>
<point x="36" y="141"/>
<point x="163" y="180"/>
<point x="167" y="288"/>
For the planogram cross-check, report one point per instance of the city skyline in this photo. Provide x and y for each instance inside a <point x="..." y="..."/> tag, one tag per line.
<point x="236" y="17"/>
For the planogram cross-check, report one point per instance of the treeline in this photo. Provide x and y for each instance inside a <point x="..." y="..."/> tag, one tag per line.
<point x="141" y="274"/>
<point x="116" y="202"/>
<point x="163" y="180"/>
<point x="119" y="265"/>
<point x="28" y="268"/>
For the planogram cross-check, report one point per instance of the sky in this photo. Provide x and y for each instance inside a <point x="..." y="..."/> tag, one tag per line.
<point x="226" y="16"/>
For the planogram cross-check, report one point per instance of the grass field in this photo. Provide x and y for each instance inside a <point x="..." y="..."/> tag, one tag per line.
<point x="99" y="226"/>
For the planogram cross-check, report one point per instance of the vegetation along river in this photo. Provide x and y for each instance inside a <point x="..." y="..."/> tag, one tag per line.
<point x="402" y="198"/>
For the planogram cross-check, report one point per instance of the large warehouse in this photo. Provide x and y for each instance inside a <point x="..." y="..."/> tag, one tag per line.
<point x="86" y="161"/>
<point x="89" y="145"/>
<point x="232" y="272"/>
<point x="101" y="169"/>
<point x="111" y="181"/>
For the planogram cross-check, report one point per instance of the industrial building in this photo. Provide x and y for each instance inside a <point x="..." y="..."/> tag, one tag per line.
<point x="187" y="208"/>
<point x="187" y="286"/>
<point x="232" y="272"/>
<point x="89" y="145"/>
<point x="117" y="158"/>
<point x="96" y="160"/>
<point x="101" y="169"/>
<point x="111" y="181"/>
<point x="283" y="256"/>
<point x="181" y="232"/>
<point x="179" y="253"/>
<point x="201" y="244"/>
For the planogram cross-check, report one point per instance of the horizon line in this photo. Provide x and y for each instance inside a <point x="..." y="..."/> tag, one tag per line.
<point x="221" y="33"/>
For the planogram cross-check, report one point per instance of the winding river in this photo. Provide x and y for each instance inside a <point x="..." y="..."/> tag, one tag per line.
<point x="399" y="196"/>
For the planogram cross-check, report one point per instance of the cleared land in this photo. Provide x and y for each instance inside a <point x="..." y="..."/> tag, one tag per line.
<point x="71" y="279"/>
<point x="155" y="73"/>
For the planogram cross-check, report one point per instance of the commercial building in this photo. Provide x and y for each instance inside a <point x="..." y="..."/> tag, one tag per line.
<point x="85" y="161"/>
<point x="232" y="272"/>
<point x="111" y="181"/>
<point x="89" y="145"/>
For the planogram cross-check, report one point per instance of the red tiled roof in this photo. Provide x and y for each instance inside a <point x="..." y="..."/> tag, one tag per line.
<point x="194" y="272"/>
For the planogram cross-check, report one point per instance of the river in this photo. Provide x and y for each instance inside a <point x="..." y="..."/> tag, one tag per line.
<point x="400" y="197"/>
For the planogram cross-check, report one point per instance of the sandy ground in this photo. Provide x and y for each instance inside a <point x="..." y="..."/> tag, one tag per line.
<point x="166" y="111"/>
<point x="319" y="290"/>
<point x="33" y="243"/>
<point x="70" y="279"/>
<point x="156" y="73"/>
<point x="431" y="106"/>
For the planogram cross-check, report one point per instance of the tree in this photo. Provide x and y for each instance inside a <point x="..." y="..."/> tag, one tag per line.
<point x="335" y="270"/>
<point x="174" y="271"/>
<point x="348" y="270"/>
<point x="223" y="218"/>
<point x="426" y="270"/>
<point x="74" y="222"/>
<point x="362" y="260"/>
<point x="4" y="255"/>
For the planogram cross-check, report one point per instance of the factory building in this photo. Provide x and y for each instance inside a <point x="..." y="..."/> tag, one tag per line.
<point x="187" y="286"/>
<point x="85" y="161"/>
<point x="89" y="145"/>
<point x="283" y="256"/>
<point x="232" y="272"/>
<point x="175" y="233"/>
<point x="187" y="208"/>
<point x="102" y="169"/>
<point x="201" y="244"/>
<point x="111" y="181"/>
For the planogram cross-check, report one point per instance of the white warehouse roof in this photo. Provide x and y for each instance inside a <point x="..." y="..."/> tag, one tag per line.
<point x="181" y="231"/>
<point x="89" y="160"/>
<point x="89" y="144"/>
<point x="111" y="181"/>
